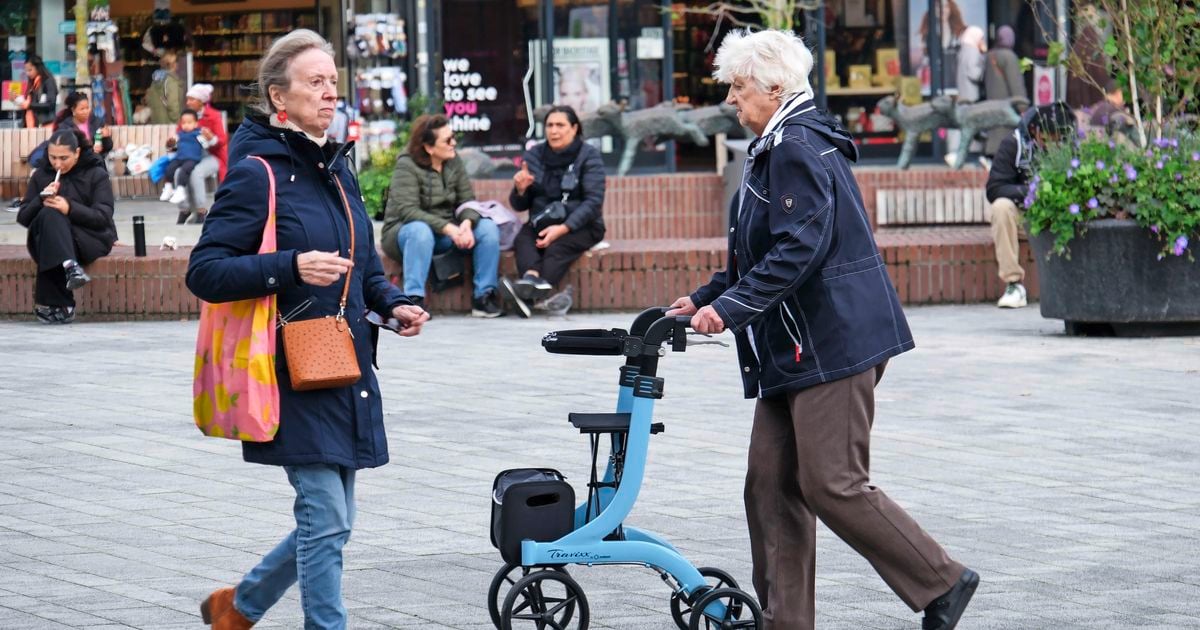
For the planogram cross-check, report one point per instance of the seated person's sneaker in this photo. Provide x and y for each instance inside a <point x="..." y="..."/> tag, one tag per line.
<point x="167" y="191"/>
<point x="1014" y="296"/>
<point x="944" y="612"/>
<point x="531" y="287"/>
<point x="510" y="295"/>
<point x="54" y="314"/>
<point x="557" y="304"/>
<point x="486" y="305"/>
<point x="76" y="276"/>
<point x="178" y="196"/>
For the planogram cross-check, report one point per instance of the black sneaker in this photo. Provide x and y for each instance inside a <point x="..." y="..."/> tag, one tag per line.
<point x="944" y="612"/>
<point x="531" y="287"/>
<point x="76" y="276"/>
<point x="510" y="295"/>
<point x="54" y="314"/>
<point x="485" y="306"/>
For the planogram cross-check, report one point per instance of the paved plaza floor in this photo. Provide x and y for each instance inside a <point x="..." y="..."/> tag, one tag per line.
<point x="1064" y="470"/>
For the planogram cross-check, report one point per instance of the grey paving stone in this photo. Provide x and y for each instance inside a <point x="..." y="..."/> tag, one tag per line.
<point x="1061" y="469"/>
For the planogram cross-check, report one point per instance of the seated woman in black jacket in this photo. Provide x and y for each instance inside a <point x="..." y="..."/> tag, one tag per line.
<point x="77" y="114"/>
<point x="68" y="209"/>
<point x="561" y="184"/>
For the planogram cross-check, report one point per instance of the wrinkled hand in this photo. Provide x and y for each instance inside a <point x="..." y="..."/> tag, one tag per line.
<point x="707" y="321"/>
<point x="465" y="239"/>
<point x="58" y="203"/>
<point x="322" y="269"/>
<point x="523" y="179"/>
<point x="411" y="318"/>
<point x="681" y="307"/>
<point x="551" y="234"/>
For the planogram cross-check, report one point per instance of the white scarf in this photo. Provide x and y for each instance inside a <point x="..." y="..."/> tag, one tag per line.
<point x="317" y="140"/>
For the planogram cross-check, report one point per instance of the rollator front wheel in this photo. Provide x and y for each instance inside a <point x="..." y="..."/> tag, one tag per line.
<point x="503" y="581"/>
<point x="544" y="600"/>
<point x="741" y="611"/>
<point x="681" y="607"/>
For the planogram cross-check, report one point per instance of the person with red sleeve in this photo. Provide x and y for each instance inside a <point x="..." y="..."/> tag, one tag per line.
<point x="212" y="125"/>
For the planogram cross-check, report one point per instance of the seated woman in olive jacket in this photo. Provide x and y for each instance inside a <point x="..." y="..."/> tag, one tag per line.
<point x="429" y="183"/>
<point x="68" y="209"/>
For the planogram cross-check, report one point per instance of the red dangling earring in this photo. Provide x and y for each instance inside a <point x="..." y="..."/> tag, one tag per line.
<point x="282" y="116"/>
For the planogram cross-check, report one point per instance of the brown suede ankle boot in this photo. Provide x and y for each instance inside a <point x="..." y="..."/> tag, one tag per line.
<point x="219" y="612"/>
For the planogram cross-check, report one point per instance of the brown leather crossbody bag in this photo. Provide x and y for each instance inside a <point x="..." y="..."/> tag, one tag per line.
<point x="320" y="352"/>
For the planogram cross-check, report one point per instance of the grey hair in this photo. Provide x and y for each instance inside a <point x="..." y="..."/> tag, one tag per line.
<point x="770" y="58"/>
<point x="273" y="69"/>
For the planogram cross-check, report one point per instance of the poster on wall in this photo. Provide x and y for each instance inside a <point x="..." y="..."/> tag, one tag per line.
<point x="956" y="15"/>
<point x="1043" y="86"/>
<point x="580" y="73"/>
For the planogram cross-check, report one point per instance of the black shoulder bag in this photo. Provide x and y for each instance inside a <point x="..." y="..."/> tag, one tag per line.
<point x="555" y="212"/>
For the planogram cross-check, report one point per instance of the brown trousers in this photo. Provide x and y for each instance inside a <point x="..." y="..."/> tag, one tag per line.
<point x="1006" y="230"/>
<point x="810" y="459"/>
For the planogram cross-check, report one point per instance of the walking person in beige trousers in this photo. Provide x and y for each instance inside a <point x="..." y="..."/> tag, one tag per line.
<point x="816" y="319"/>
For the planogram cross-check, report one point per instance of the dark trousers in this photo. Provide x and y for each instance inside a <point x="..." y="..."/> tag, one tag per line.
<point x="554" y="262"/>
<point x="179" y="171"/>
<point x="809" y="459"/>
<point x="52" y="242"/>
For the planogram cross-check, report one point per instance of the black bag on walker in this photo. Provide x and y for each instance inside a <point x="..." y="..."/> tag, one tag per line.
<point x="530" y="503"/>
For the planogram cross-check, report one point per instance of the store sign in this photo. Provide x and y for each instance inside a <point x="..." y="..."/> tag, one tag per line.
<point x="462" y="93"/>
<point x="1043" y="86"/>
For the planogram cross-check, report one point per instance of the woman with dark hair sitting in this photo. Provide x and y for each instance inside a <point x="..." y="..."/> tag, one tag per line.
<point x="68" y="209"/>
<point x="561" y="184"/>
<point x="77" y="114"/>
<point x="428" y="186"/>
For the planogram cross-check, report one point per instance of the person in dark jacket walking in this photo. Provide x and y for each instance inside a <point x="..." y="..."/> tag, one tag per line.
<point x="77" y="114"/>
<point x="428" y="186"/>
<point x="68" y="209"/>
<point x="816" y="319"/>
<point x="563" y="171"/>
<point x="325" y="435"/>
<point x="1008" y="186"/>
<point x="41" y="94"/>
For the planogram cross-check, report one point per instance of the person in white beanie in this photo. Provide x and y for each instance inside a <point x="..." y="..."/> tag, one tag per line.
<point x="212" y="127"/>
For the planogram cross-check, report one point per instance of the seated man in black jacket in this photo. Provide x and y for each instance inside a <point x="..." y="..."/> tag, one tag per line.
<point x="1008" y="186"/>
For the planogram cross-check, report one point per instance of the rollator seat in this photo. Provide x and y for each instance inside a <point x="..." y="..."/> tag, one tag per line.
<point x="606" y="423"/>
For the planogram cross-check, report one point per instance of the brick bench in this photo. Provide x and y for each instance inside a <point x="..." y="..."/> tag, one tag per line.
<point x="927" y="265"/>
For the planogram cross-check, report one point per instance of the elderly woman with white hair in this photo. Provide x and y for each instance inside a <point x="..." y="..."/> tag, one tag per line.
<point x="325" y="265"/>
<point x="816" y="319"/>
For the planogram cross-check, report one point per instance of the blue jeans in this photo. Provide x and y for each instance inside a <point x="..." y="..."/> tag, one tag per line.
<point x="418" y="244"/>
<point x="311" y="555"/>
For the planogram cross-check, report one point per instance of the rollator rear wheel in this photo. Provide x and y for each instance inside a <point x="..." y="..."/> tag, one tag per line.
<point x="545" y="600"/>
<point x="681" y="609"/>
<point x="503" y="581"/>
<point x="741" y="611"/>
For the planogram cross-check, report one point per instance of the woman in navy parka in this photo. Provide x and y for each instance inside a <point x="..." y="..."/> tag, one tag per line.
<point x="324" y="435"/>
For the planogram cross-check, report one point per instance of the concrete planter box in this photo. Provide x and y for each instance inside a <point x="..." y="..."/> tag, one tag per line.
<point x="1113" y="283"/>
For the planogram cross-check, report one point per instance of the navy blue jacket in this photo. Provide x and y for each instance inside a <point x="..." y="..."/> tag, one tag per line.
<point x="329" y="426"/>
<point x="805" y="290"/>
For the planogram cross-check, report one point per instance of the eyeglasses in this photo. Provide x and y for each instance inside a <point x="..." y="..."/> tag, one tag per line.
<point x="453" y="139"/>
<point x="376" y="320"/>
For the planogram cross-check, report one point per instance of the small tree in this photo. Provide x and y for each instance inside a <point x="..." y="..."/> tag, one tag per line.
<point x="1150" y="47"/>
<point x="772" y="14"/>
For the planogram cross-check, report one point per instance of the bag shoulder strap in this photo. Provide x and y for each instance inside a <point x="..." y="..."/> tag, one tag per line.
<point x="268" y="239"/>
<point x="350" y="225"/>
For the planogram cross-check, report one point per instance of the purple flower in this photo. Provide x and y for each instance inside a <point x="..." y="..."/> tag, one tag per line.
<point x="1074" y="208"/>
<point x="1149" y="153"/>
<point x="1158" y="165"/>
<point x="1113" y="179"/>
<point x="1075" y="163"/>
<point x="1112" y="144"/>
<point x="1100" y="165"/>
<point x="1181" y="244"/>
<point x="1161" y="143"/>
<point x="1130" y="173"/>
<point x="1196" y="156"/>
<point x="1178" y="177"/>
<point x="1093" y="203"/>
<point x="1070" y="173"/>
<point x="1154" y="228"/>
<point x="1173" y="143"/>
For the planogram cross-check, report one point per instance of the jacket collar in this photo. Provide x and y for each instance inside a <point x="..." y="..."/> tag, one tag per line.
<point x="798" y="105"/>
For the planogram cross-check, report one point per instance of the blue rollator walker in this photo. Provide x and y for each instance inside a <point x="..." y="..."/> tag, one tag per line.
<point x="539" y="529"/>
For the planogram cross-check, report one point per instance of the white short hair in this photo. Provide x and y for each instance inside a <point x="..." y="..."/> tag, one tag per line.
<point x="770" y="58"/>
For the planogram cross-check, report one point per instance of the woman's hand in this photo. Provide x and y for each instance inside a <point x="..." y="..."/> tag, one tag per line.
<point x="58" y="203"/>
<point x="523" y="179"/>
<point x="322" y="269"/>
<point x="105" y="132"/>
<point x="466" y="237"/>
<point x="411" y="319"/>
<point x="707" y="321"/>
<point x="550" y="234"/>
<point x="207" y="133"/>
<point x="681" y="307"/>
<point x="50" y="190"/>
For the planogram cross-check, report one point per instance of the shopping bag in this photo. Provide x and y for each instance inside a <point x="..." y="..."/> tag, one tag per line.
<point x="235" y="391"/>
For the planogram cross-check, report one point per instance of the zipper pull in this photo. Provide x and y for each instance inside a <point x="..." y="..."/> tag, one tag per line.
<point x="797" y="353"/>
